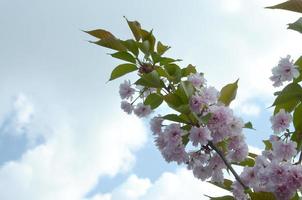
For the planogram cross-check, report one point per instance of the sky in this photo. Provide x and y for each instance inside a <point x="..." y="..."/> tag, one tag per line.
<point x="62" y="133"/>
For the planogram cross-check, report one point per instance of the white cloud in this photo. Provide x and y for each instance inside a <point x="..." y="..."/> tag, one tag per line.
<point x="179" y="185"/>
<point x="69" y="163"/>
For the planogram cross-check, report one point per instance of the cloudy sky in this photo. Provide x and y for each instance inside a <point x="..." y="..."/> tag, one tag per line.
<point x="62" y="134"/>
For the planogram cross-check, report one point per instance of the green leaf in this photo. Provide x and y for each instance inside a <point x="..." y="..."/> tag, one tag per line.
<point x="205" y="119"/>
<point x="111" y="43"/>
<point x="228" y="197"/>
<point x="249" y="162"/>
<point x="225" y="185"/>
<point x="176" y="103"/>
<point x="185" y="139"/>
<point x="154" y="100"/>
<point x="290" y="93"/>
<point x="297" y="137"/>
<point x="166" y="60"/>
<point x="100" y="33"/>
<point x="296" y="26"/>
<point x="297" y="118"/>
<point x="135" y="28"/>
<point x="262" y="196"/>
<point x="287" y="106"/>
<point x="175" y="118"/>
<point x="188" y="70"/>
<point x="228" y="93"/>
<point x="249" y="125"/>
<point x="131" y="46"/>
<point x="151" y="79"/>
<point x="123" y="55"/>
<point x="268" y="145"/>
<point x="174" y="72"/>
<point x="291" y="5"/>
<point x="121" y="70"/>
<point x="299" y="64"/>
<point x="144" y="47"/>
<point x="161" y="49"/>
<point x="185" y="90"/>
<point x="252" y="155"/>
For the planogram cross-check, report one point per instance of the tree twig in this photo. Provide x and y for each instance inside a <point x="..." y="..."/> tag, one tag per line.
<point x="229" y="166"/>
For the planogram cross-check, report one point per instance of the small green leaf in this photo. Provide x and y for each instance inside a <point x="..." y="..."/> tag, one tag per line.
<point x="228" y="93"/>
<point x="111" y="43"/>
<point x="205" y="119"/>
<point x="154" y="100"/>
<point x="287" y="106"/>
<point x="290" y="93"/>
<point x="248" y="162"/>
<point x="225" y="185"/>
<point x="188" y="70"/>
<point x="228" y="197"/>
<point x="291" y="5"/>
<point x="297" y="118"/>
<point x="268" y="144"/>
<point x="299" y="64"/>
<point x="249" y="125"/>
<point x="123" y="55"/>
<point x="135" y="28"/>
<point x="121" y="70"/>
<point x="151" y="79"/>
<point x="252" y="155"/>
<point x="185" y="139"/>
<point x="144" y="47"/>
<point x="262" y="196"/>
<point x="296" y="26"/>
<point x="100" y="33"/>
<point x="166" y="60"/>
<point x="174" y="72"/>
<point x="161" y="49"/>
<point x="175" y="118"/>
<point x="131" y="45"/>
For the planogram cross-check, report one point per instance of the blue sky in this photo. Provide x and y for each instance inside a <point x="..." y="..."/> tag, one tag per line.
<point x="62" y="134"/>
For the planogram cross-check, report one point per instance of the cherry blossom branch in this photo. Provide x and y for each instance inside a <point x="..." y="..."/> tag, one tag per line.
<point x="229" y="166"/>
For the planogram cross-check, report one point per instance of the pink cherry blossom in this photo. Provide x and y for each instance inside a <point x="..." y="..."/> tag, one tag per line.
<point x="142" y="110"/>
<point x="197" y="80"/>
<point x="127" y="107"/>
<point x="281" y="121"/>
<point x="126" y="91"/>
<point x="200" y="135"/>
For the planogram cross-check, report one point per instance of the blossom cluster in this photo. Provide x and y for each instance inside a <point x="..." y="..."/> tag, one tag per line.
<point x="126" y="93"/>
<point x="272" y="172"/>
<point x="222" y="129"/>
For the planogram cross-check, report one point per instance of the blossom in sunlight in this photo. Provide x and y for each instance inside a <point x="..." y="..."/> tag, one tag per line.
<point x="197" y="80"/>
<point x="127" y="107"/>
<point x="126" y="91"/>
<point x="281" y="121"/>
<point x="284" y="71"/>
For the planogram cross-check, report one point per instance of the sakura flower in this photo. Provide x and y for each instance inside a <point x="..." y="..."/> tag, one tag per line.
<point x="200" y="135"/>
<point x="142" y="110"/>
<point x="126" y="91"/>
<point x="209" y="95"/>
<point x="239" y="153"/>
<point x="281" y="121"/>
<point x="284" y="151"/>
<point x="196" y="103"/>
<point x="156" y="124"/>
<point x="127" y="107"/>
<point x="202" y="172"/>
<point x="284" y="71"/>
<point x="197" y="80"/>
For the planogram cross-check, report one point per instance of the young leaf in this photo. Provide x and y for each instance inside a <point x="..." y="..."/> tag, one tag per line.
<point x="291" y="92"/>
<point x="111" y="43"/>
<point x="249" y="125"/>
<point x="100" y="33"/>
<point x="262" y="196"/>
<point x="131" y="45"/>
<point x="135" y="28"/>
<point x="297" y="118"/>
<point x="175" y="118"/>
<point x="123" y="55"/>
<point x="154" y="100"/>
<point x="151" y="79"/>
<point x="291" y="5"/>
<point x="268" y="145"/>
<point x="296" y="26"/>
<point x="121" y="70"/>
<point x="188" y="70"/>
<point x="228" y="93"/>
<point x="161" y="49"/>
